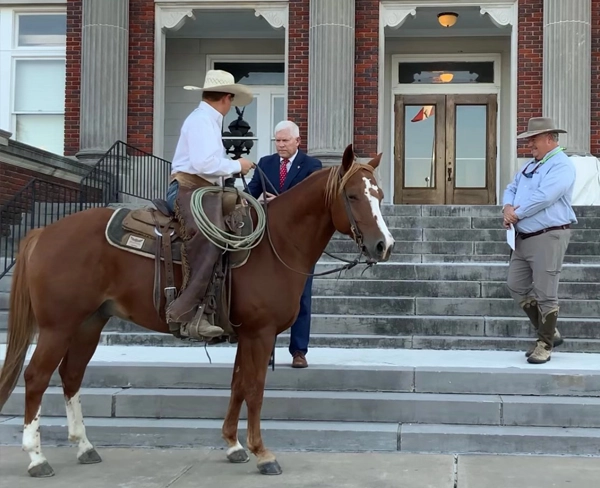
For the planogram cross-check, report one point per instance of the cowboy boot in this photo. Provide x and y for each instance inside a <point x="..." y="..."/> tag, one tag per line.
<point x="530" y="307"/>
<point x="200" y="257"/>
<point x="543" y="350"/>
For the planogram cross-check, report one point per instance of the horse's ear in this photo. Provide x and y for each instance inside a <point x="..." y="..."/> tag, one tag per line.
<point x="374" y="163"/>
<point x="347" y="158"/>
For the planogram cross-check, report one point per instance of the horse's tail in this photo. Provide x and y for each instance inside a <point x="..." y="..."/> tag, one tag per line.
<point x="21" y="320"/>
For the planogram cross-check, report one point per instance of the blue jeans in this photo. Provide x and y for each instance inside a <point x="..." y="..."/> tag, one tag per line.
<point x="172" y="192"/>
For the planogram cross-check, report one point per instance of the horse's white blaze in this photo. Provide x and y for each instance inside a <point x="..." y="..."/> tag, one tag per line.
<point x="374" y="202"/>
<point x="31" y="441"/>
<point x="76" y="427"/>
<point x="236" y="448"/>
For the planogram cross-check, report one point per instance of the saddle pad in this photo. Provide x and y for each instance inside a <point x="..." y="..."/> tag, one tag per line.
<point x="137" y="243"/>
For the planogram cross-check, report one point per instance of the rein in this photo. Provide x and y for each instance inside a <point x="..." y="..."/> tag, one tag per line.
<point x="358" y="238"/>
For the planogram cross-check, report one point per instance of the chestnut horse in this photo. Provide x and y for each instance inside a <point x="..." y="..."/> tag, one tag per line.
<point x="68" y="281"/>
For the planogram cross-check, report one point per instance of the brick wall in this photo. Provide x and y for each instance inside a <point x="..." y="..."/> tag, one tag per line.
<point x="298" y="66"/>
<point x="366" y="79"/>
<point x="140" y="102"/>
<point x="530" y="69"/>
<point x="73" y="77"/>
<point x="595" y="120"/>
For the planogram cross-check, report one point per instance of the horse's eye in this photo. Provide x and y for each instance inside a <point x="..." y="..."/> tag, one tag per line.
<point x="353" y="197"/>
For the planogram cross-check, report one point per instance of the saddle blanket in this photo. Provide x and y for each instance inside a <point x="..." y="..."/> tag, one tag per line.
<point x="119" y="233"/>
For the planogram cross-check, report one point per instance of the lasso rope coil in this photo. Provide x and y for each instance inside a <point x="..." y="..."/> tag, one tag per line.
<point x="221" y="238"/>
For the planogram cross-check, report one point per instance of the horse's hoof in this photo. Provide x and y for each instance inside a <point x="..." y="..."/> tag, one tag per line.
<point x="43" y="470"/>
<point x="90" y="457"/>
<point x="270" y="468"/>
<point x="238" y="457"/>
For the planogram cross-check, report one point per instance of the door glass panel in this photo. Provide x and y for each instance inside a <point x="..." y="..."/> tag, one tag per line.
<point x="419" y="146"/>
<point x="471" y="144"/>
<point x="277" y="110"/>
<point x="249" y="114"/>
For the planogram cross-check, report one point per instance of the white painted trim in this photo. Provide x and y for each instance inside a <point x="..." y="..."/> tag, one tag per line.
<point x="243" y="58"/>
<point x="172" y="13"/>
<point x="502" y="12"/>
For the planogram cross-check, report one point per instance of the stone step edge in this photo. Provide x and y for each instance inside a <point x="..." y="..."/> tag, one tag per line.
<point x="321" y="436"/>
<point x="331" y="395"/>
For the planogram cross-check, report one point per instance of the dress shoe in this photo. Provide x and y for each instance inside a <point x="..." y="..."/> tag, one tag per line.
<point x="299" y="360"/>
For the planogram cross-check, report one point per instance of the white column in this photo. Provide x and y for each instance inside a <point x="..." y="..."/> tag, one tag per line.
<point x="104" y="68"/>
<point x="567" y="70"/>
<point x="331" y="79"/>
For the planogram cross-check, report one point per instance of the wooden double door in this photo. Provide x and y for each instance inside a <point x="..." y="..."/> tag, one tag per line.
<point x="445" y="149"/>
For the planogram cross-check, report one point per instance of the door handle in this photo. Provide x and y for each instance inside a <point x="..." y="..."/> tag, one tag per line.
<point x="450" y="174"/>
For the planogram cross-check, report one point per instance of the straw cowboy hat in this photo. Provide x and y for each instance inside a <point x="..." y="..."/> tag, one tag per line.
<point x="221" y="81"/>
<point x="540" y="125"/>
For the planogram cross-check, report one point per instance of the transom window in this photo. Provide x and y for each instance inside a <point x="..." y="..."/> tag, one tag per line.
<point x="455" y="72"/>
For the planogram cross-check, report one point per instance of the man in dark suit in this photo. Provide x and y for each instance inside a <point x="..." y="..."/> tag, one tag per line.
<point x="288" y="167"/>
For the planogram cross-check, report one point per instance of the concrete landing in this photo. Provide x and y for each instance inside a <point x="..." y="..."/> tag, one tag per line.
<point x="154" y="468"/>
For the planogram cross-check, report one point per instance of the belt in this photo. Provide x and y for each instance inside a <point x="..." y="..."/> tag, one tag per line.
<point x="543" y="231"/>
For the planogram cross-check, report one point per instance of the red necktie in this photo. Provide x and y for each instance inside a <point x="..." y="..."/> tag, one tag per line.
<point x="283" y="173"/>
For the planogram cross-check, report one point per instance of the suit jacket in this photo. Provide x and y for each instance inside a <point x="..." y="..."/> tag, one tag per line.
<point x="302" y="167"/>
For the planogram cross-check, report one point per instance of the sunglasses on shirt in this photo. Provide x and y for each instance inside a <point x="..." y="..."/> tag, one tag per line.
<point x="531" y="173"/>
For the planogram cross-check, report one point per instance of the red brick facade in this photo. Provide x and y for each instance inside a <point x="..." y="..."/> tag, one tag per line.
<point x="140" y="100"/>
<point x="73" y="77"/>
<point x="298" y="66"/>
<point x="595" y="127"/>
<point x="366" y="77"/>
<point x="530" y="69"/>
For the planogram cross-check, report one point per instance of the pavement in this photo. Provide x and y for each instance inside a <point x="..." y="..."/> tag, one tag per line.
<point x="156" y="468"/>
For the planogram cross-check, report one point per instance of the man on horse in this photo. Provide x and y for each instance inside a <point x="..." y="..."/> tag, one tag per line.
<point x="199" y="161"/>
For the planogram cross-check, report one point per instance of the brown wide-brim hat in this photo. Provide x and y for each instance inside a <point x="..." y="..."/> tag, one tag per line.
<point x="540" y="125"/>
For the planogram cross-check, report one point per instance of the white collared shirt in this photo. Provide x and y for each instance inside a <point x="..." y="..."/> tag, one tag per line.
<point x="291" y="161"/>
<point x="200" y="150"/>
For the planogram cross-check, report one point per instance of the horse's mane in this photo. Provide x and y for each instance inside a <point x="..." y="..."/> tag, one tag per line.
<point x="338" y="179"/>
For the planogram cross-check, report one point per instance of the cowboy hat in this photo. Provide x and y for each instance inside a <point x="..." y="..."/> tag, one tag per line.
<point x="540" y="125"/>
<point x="217" y="80"/>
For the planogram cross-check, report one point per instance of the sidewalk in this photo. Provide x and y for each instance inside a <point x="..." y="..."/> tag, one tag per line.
<point x="155" y="468"/>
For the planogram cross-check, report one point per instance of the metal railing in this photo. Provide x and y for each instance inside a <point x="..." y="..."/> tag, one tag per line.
<point x="38" y="204"/>
<point x="124" y="174"/>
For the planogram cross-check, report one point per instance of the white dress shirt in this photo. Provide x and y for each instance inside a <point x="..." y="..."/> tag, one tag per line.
<point x="200" y="150"/>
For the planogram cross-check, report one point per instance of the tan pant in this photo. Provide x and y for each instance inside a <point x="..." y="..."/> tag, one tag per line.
<point x="535" y="267"/>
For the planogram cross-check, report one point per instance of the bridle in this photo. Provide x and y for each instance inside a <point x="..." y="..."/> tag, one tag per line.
<point x="356" y="233"/>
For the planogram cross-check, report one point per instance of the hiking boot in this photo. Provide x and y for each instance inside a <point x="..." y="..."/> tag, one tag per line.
<point x="541" y="354"/>
<point x="558" y="340"/>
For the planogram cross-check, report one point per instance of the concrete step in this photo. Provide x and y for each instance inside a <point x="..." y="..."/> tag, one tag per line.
<point x="364" y="341"/>
<point x="334" y="369"/>
<point x="356" y="305"/>
<point x="321" y="436"/>
<point x="481" y="211"/>
<point x="451" y="222"/>
<point x="327" y="406"/>
<point x="459" y="247"/>
<point x="331" y="287"/>
<point x="453" y="258"/>
<point x="452" y="271"/>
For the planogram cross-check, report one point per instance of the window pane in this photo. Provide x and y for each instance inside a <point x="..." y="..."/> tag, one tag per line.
<point x="42" y="30"/>
<point x="277" y="111"/>
<point x="255" y="73"/>
<point x="419" y="146"/>
<point x="455" y="72"/>
<point x="43" y="131"/>
<point x="471" y="146"/>
<point x="40" y="86"/>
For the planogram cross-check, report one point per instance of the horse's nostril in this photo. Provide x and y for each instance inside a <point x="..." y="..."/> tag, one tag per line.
<point x="380" y="247"/>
